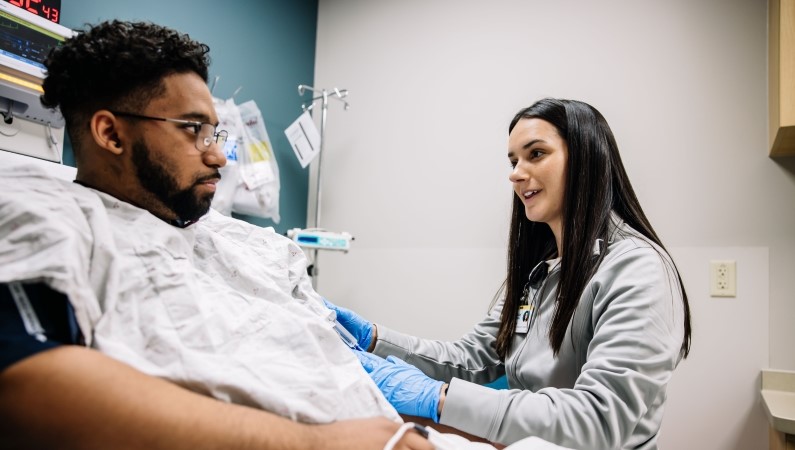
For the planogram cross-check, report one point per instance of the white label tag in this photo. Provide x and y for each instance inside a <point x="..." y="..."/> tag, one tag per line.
<point x="304" y="138"/>
<point x="26" y="311"/>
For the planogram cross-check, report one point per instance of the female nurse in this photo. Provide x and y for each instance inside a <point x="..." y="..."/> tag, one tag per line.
<point x="608" y="317"/>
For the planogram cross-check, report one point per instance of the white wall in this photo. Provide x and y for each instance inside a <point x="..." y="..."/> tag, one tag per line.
<point x="417" y="168"/>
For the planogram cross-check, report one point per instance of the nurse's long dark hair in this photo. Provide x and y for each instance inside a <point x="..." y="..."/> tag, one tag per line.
<point x="596" y="184"/>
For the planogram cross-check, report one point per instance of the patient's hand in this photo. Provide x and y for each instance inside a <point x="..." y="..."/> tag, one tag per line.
<point x="447" y="429"/>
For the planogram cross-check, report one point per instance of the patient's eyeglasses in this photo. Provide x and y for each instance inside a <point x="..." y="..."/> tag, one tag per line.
<point x="205" y="132"/>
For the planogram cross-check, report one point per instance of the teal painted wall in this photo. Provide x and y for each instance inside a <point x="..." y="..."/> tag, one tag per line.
<point x="267" y="47"/>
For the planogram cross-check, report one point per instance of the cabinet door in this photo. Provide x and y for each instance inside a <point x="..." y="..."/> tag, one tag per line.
<point x="781" y="441"/>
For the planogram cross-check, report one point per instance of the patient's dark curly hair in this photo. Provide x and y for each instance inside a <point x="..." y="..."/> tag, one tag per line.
<point x="116" y="65"/>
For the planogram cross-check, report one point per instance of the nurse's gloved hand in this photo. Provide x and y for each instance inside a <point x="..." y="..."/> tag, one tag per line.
<point x="408" y="389"/>
<point x="359" y="327"/>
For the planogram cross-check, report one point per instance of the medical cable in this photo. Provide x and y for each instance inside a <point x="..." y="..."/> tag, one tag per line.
<point x="439" y="441"/>
<point x="52" y="142"/>
<point x="390" y="444"/>
<point x="434" y="437"/>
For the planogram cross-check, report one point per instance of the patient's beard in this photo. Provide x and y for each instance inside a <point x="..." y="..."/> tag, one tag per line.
<point x="155" y="178"/>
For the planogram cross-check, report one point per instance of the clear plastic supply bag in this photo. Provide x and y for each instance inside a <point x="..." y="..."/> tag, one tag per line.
<point x="250" y="181"/>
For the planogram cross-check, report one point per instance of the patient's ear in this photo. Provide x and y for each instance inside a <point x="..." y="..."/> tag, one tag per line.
<point x="106" y="130"/>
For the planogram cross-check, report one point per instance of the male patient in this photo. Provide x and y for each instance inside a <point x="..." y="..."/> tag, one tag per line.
<point x="131" y="260"/>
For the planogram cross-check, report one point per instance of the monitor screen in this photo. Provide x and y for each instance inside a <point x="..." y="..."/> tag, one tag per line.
<point x="26" y="39"/>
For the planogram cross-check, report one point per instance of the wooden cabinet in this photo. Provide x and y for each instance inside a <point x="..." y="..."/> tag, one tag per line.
<point x="781" y="441"/>
<point x="781" y="77"/>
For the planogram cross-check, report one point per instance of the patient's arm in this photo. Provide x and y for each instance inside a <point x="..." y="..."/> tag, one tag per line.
<point x="73" y="397"/>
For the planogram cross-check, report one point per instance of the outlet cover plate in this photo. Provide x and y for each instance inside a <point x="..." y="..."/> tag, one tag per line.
<point x="723" y="278"/>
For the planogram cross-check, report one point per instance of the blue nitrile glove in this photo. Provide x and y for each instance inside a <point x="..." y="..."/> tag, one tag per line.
<point x="408" y="389"/>
<point x="360" y="328"/>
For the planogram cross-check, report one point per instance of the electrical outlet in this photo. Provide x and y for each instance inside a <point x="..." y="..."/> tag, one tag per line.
<point x="723" y="278"/>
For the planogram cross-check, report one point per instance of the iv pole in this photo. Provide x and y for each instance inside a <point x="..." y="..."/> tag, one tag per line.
<point x="324" y="96"/>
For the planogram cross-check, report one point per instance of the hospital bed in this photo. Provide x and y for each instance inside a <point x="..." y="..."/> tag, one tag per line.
<point x="10" y="159"/>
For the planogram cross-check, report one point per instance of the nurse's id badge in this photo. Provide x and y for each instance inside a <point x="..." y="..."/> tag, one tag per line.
<point x="523" y="318"/>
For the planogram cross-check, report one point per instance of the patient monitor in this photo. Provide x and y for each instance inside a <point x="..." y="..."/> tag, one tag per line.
<point x="27" y="127"/>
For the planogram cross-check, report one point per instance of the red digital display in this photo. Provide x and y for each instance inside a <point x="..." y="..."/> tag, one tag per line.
<point x="48" y="9"/>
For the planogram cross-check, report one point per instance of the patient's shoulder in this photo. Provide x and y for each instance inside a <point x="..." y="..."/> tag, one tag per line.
<point x="31" y="191"/>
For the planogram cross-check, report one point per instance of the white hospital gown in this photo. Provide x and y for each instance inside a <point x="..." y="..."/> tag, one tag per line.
<point x="222" y="307"/>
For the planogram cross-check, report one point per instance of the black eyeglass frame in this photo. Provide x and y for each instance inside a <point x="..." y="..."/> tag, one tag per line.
<point x="216" y="135"/>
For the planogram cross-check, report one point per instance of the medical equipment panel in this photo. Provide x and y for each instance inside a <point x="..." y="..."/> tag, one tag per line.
<point x="25" y="41"/>
<point x="320" y="239"/>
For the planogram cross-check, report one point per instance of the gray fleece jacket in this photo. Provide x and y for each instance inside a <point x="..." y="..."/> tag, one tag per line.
<point x="606" y="387"/>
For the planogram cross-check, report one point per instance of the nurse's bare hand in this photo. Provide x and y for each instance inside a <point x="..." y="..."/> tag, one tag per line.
<point x="365" y="434"/>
